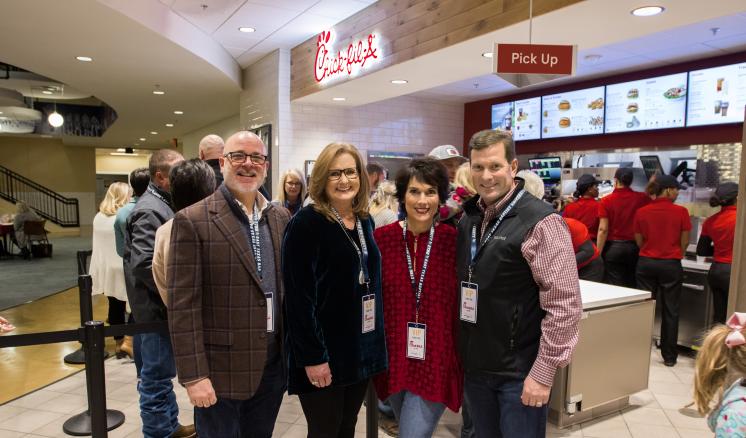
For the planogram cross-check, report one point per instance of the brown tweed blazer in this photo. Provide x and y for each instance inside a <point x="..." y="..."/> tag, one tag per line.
<point x="217" y="311"/>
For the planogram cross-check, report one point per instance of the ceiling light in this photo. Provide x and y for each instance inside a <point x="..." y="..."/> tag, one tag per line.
<point x="84" y="58"/>
<point x="153" y="133"/>
<point x="399" y="81"/>
<point x="121" y="149"/>
<point x="246" y="29"/>
<point x="592" y="58"/>
<point x="339" y="99"/>
<point x="159" y="92"/>
<point x="177" y="112"/>
<point x="46" y="92"/>
<point x="169" y="125"/>
<point x="488" y="54"/>
<point x="55" y="119"/>
<point x="143" y="138"/>
<point x="124" y="154"/>
<point x="647" y="11"/>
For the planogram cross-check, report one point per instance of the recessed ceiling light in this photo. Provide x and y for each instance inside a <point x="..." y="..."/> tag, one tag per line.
<point x="339" y="99"/>
<point x="399" y="81"/>
<point x="488" y="54"/>
<point x="121" y="149"/>
<point x="1" y="112"/>
<point x="137" y="144"/>
<point x="169" y="125"/>
<point x="153" y="133"/>
<point x="647" y="11"/>
<point x="46" y="92"/>
<point x="159" y="92"/>
<point x="246" y="29"/>
<point x="84" y="58"/>
<point x="177" y="112"/>
<point x="143" y="138"/>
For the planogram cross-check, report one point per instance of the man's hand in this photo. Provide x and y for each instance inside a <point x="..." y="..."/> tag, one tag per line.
<point x="534" y="393"/>
<point x="201" y="393"/>
<point x="319" y="375"/>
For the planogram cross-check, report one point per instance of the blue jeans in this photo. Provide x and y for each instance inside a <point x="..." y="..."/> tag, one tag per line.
<point x="497" y="410"/>
<point x="158" y="408"/>
<point x="467" y="425"/>
<point x="417" y="417"/>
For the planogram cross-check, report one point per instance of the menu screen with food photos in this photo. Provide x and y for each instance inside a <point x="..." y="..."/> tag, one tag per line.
<point x="717" y="95"/>
<point x="502" y="116"/>
<point x="654" y="103"/>
<point x="527" y="119"/>
<point x="574" y="113"/>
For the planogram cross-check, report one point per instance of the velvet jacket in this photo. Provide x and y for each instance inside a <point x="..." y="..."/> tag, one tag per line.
<point x="323" y="302"/>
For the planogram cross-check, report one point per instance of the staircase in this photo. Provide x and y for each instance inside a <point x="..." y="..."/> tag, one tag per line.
<point x="46" y="202"/>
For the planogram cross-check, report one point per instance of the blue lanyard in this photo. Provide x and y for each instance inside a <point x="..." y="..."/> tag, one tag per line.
<point x="256" y="244"/>
<point x="417" y="288"/>
<point x="476" y="250"/>
<point x="362" y="253"/>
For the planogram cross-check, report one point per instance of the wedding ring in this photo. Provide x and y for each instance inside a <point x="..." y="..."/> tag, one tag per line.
<point x="315" y="383"/>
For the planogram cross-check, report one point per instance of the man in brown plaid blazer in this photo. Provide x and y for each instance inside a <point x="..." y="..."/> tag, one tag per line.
<point x="225" y="299"/>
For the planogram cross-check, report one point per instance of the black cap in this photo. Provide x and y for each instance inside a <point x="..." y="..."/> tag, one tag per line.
<point x="624" y="175"/>
<point x="585" y="182"/>
<point x="727" y="191"/>
<point x="667" y="182"/>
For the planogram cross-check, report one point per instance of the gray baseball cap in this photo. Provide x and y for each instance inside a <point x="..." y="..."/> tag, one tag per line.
<point x="446" y="151"/>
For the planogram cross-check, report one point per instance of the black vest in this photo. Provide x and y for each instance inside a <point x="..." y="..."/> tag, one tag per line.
<point x="505" y="339"/>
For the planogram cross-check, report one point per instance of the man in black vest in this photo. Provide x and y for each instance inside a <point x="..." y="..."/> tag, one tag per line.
<point x="520" y="297"/>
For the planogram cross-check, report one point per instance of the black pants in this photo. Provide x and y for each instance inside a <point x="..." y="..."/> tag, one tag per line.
<point x="719" y="280"/>
<point x="332" y="412"/>
<point x="593" y="271"/>
<point x="117" y="311"/>
<point x="620" y="261"/>
<point x="663" y="278"/>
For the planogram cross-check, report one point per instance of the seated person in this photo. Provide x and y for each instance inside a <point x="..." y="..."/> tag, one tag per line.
<point x="23" y="214"/>
<point x="5" y="326"/>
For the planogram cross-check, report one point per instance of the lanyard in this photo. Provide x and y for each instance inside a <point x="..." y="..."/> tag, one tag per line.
<point x="362" y="253"/>
<point x="256" y="244"/>
<point x="476" y="250"/>
<point x="158" y="195"/>
<point x="417" y="288"/>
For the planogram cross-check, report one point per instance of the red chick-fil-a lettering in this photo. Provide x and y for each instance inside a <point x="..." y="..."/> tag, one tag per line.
<point x="327" y="65"/>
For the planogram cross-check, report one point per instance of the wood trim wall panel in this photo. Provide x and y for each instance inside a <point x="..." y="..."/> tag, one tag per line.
<point x="412" y="28"/>
<point x="737" y="290"/>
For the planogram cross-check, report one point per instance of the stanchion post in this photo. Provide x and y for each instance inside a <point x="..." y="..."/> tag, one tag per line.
<point x="371" y="412"/>
<point x="94" y="374"/>
<point x="85" y="286"/>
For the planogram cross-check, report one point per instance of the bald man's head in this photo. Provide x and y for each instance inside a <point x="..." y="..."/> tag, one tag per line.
<point x="211" y="147"/>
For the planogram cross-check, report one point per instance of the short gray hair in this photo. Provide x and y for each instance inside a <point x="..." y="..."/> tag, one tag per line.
<point x="488" y="137"/>
<point x="211" y="145"/>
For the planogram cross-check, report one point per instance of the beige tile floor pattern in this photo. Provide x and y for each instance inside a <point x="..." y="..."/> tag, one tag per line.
<point x="654" y="413"/>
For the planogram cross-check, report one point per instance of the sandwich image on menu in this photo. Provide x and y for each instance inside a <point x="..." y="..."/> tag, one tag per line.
<point x="653" y="103"/>
<point x="573" y="113"/>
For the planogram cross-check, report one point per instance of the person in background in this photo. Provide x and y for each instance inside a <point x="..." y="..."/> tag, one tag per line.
<point x="6" y="326"/>
<point x="616" y="237"/>
<point x="662" y="233"/>
<point x="225" y="296"/>
<point x="23" y="213"/>
<point x="716" y="240"/>
<point x="106" y="268"/>
<point x="384" y="205"/>
<point x="139" y="180"/>
<point x="462" y="190"/>
<point x="519" y="320"/>
<point x="720" y="375"/>
<point x="419" y="299"/>
<point x="158" y="408"/>
<point x="333" y="305"/>
<point x="210" y="151"/>
<point x="292" y="191"/>
<point x="450" y="157"/>
<point x="585" y="209"/>
<point x="376" y="175"/>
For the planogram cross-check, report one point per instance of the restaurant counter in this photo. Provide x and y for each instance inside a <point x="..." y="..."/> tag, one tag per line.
<point x="612" y="358"/>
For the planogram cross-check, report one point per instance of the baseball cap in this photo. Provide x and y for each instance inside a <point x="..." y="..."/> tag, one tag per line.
<point x="727" y="191"/>
<point x="667" y="182"/>
<point x="444" y="152"/>
<point x="624" y="175"/>
<point x="585" y="182"/>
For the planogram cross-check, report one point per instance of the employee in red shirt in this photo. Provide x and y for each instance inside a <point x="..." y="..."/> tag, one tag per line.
<point x="590" y="263"/>
<point x="585" y="209"/>
<point x="616" y="238"/>
<point x="717" y="240"/>
<point x="662" y="232"/>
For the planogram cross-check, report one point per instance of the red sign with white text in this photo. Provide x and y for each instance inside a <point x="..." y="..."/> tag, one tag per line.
<point x="349" y="62"/>
<point x="534" y="59"/>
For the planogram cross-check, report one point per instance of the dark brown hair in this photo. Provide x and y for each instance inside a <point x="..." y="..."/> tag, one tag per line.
<point x="427" y="170"/>
<point x="488" y="137"/>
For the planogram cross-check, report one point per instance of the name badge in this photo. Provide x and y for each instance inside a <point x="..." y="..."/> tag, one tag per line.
<point x="469" y="297"/>
<point x="270" y="312"/>
<point x="369" y="313"/>
<point x="416" y="336"/>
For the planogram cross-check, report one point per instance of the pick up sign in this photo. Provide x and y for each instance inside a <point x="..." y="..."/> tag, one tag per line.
<point x="543" y="59"/>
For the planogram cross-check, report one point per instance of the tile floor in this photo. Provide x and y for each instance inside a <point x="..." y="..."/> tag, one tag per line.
<point x="658" y="412"/>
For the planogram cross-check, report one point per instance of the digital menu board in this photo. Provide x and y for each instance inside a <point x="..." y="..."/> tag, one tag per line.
<point x="717" y="95"/>
<point x="502" y="116"/>
<point x="653" y="103"/>
<point x="527" y="119"/>
<point x="574" y="113"/>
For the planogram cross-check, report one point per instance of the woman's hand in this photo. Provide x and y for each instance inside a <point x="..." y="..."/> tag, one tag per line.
<point x="320" y="376"/>
<point x="5" y="326"/>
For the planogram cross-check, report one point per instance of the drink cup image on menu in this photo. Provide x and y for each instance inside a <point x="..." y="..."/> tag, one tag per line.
<point x="724" y="109"/>
<point x="717" y="106"/>
<point x="719" y="84"/>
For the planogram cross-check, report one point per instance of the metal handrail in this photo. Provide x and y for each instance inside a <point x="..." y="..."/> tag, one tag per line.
<point x="45" y="201"/>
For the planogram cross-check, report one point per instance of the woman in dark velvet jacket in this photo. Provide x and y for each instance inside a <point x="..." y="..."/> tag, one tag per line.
<point x="333" y="307"/>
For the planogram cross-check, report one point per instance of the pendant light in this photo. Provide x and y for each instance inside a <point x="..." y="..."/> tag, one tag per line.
<point x="55" y="119"/>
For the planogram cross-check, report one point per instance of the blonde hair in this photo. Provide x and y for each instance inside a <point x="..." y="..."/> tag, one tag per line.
<point x="117" y="195"/>
<point x="533" y="183"/>
<point x="463" y="178"/>
<point x="281" y="195"/>
<point x="384" y="197"/>
<point x="320" y="176"/>
<point x="717" y="366"/>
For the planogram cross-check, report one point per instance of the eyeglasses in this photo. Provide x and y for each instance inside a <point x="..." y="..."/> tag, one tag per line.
<point x="292" y="183"/>
<point x="241" y="157"/>
<point x="335" y="174"/>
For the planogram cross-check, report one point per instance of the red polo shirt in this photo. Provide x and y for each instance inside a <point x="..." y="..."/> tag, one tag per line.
<point x="721" y="228"/>
<point x="586" y="211"/>
<point x="661" y="223"/>
<point x="620" y="208"/>
<point x="579" y="235"/>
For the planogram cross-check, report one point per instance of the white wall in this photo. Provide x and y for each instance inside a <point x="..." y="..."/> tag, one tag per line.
<point x="224" y="128"/>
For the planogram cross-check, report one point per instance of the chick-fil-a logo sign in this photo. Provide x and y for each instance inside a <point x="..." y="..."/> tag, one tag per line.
<point x="348" y="62"/>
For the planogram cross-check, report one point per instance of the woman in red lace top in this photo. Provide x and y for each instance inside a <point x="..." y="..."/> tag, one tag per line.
<point x="424" y="375"/>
